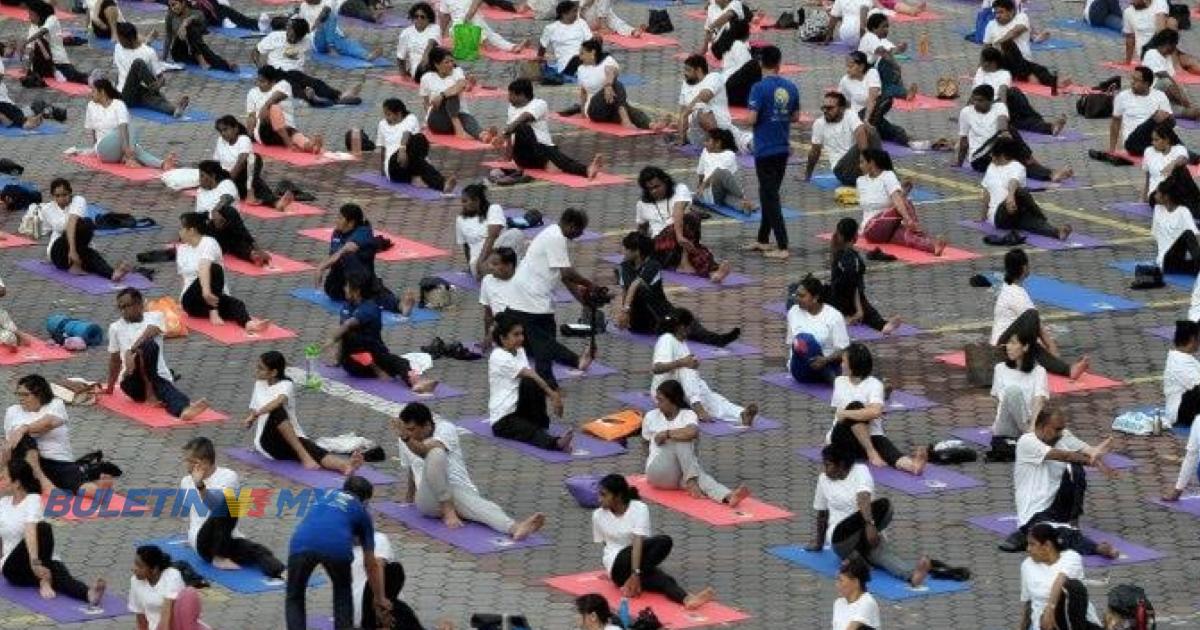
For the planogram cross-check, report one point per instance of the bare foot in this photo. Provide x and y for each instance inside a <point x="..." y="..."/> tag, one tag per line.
<point x="701" y="413"/>
<point x="585" y="360"/>
<point x="563" y="443"/>
<point x="594" y="168"/>
<point x="310" y="464"/>
<point x="737" y="496"/>
<point x="638" y="32"/>
<point x="451" y="184"/>
<point x="746" y="206"/>
<point x="286" y="200"/>
<point x="1108" y="551"/>
<point x="721" y="273"/>
<point x="1062" y="175"/>
<point x="755" y="246"/>
<point x="921" y="572"/>
<point x="749" y="414"/>
<point x="96" y="593"/>
<point x="318" y="145"/>
<point x="170" y="162"/>
<point x="225" y="564"/>
<point x="693" y="489"/>
<point x="692" y="602"/>
<point x="120" y="272"/>
<point x="521" y="45"/>
<point x="777" y="254"/>
<point x="46" y="591"/>
<point x="256" y="326"/>
<point x="939" y="245"/>
<point x="1172" y="495"/>
<point x="1080" y="368"/>
<point x="913" y="90"/>
<point x="920" y="458"/>
<point x="195" y="409"/>
<point x="182" y="106"/>
<point x="1058" y="126"/>
<point x="1064" y="232"/>
<point x="529" y="526"/>
<point x="353" y="92"/>
<point x="425" y="387"/>
<point x="1041" y="37"/>
<point x="215" y="318"/>
<point x="354" y="463"/>
<point x="891" y="326"/>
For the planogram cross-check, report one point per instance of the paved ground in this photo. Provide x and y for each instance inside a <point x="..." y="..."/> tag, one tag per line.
<point x="446" y="582"/>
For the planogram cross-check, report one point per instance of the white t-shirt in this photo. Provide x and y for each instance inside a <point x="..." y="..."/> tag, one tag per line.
<point x="264" y="393"/>
<point x="56" y="218"/>
<point x="1158" y="64"/>
<point x="735" y="58"/>
<point x="979" y="128"/>
<point x="858" y="90"/>
<point x="228" y="154"/>
<point x="1033" y="384"/>
<point x="870" y="44"/>
<point x="718" y="104"/>
<point x="864" y="610"/>
<point x="123" y="334"/>
<point x="504" y="382"/>
<point x="1141" y="22"/>
<point x="188" y="259"/>
<point x="358" y="571"/>
<point x="1038" y="578"/>
<point x="58" y="51"/>
<point x="411" y="44"/>
<point x="103" y="120"/>
<point x="709" y="162"/>
<point x="996" y="31"/>
<point x="562" y="41"/>
<point x="310" y="12"/>
<point x="14" y="518"/>
<point x="836" y="137"/>
<point x="1000" y="78"/>
<point x="539" y="273"/>
<point x="206" y="200"/>
<point x="840" y="497"/>
<point x="220" y="479"/>
<point x="1181" y="373"/>
<point x="1167" y="226"/>
<point x="714" y="11"/>
<point x="283" y="55"/>
<point x="1035" y="478"/>
<point x="1153" y="162"/>
<point x="868" y="391"/>
<point x="147" y="600"/>
<point x="53" y="444"/>
<point x="828" y="327"/>
<point x="256" y="98"/>
<point x="391" y="137"/>
<point x="447" y="434"/>
<point x="875" y="193"/>
<point x="667" y="349"/>
<point x="1193" y="308"/>
<point x="996" y="180"/>
<point x="617" y="532"/>
<point x="494" y="293"/>
<point x="123" y="59"/>
<point x="539" y="111"/>
<point x="851" y="13"/>
<point x="433" y="84"/>
<point x="1134" y="110"/>
<point x="655" y="422"/>
<point x="592" y="78"/>
<point x="1011" y="301"/>
<point x="4" y="96"/>
<point x="660" y="214"/>
<point x="472" y="232"/>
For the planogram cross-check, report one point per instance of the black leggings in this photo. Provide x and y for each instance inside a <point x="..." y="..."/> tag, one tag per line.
<point x="392" y="365"/>
<point x="1183" y="255"/>
<point x="1022" y="68"/>
<point x="1022" y="114"/>
<point x="18" y="572"/>
<point x="42" y="64"/>
<point x="528" y="423"/>
<point x="216" y="540"/>
<point x="91" y="260"/>
<point x="14" y="114"/>
<point x="646" y="320"/>
<point x="192" y="48"/>
<point x="1030" y="320"/>
<point x="1029" y="217"/>
<point x="228" y="307"/>
<point x="273" y="443"/>
<point x="262" y="191"/>
<point x="64" y="475"/>
<point x="655" y="550"/>
<point x="233" y="236"/>
<point x="300" y="82"/>
<point x="737" y="86"/>
<point x="416" y="154"/>
<point x="843" y="436"/>
<point x="1189" y="406"/>
<point x="527" y="152"/>
<point x="600" y="110"/>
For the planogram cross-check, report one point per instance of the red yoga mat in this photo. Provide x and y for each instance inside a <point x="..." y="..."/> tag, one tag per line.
<point x="558" y="177"/>
<point x="479" y="91"/>
<point x="154" y="417"/>
<point x="1058" y="384"/>
<point x="138" y="174"/>
<point x="1194" y="169"/>
<point x="608" y="129"/>
<point x="66" y="87"/>
<point x="671" y="615"/>
<point x="278" y="266"/>
<point x="83" y="509"/>
<point x="922" y="103"/>
<point x="459" y="144"/>
<point x="14" y="240"/>
<point x="645" y="41"/>
<point x="910" y="255"/>
<point x="231" y="334"/>
<point x="402" y="248"/>
<point x="1182" y="77"/>
<point x="749" y="510"/>
<point x="295" y="158"/>
<point x="500" y="15"/>
<point x="924" y="16"/>
<point x="37" y="351"/>
<point x="259" y="211"/>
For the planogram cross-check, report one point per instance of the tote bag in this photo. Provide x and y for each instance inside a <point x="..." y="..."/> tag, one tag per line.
<point x="466" y="39"/>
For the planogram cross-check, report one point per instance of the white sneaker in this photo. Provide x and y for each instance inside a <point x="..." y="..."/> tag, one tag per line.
<point x="60" y="77"/>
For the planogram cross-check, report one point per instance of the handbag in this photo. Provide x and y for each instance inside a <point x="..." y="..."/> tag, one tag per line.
<point x="815" y="26"/>
<point x="1095" y="106"/>
<point x="466" y="39"/>
<point x="947" y="88"/>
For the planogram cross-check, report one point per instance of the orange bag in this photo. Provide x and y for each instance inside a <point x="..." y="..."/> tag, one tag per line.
<point x="616" y="426"/>
<point x="173" y="316"/>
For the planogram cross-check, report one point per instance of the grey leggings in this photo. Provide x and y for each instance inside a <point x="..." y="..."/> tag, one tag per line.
<point x="675" y="463"/>
<point x="435" y="488"/>
<point x="1012" y="416"/>
<point x="110" y="150"/>
<point x="440" y="119"/>
<point x="724" y="189"/>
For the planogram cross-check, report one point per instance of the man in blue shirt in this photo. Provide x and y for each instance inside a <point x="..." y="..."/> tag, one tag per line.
<point x="774" y="105"/>
<point x="326" y="537"/>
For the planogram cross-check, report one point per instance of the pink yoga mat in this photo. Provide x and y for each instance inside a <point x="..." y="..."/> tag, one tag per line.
<point x="231" y="334"/>
<point x="640" y="399"/>
<point x="647" y="40"/>
<point x="923" y="103"/>
<point x="155" y="417"/>
<point x="608" y="129"/>
<point x="459" y="144"/>
<point x="402" y="248"/>
<point x="139" y="174"/>
<point x="1182" y="77"/>
<point x="295" y="158"/>
<point x="529" y="54"/>
<point x="750" y="510"/>
<point x="924" y="16"/>
<point x="670" y="614"/>
<point x="278" y="266"/>
<point x="37" y="351"/>
<point x="65" y="87"/>
<point x="910" y="255"/>
<point x="258" y="211"/>
<point x="500" y="15"/>
<point x="558" y="177"/>
<point x="12" y="240"/>
<point x="933" y="480"/>
<point x="1058" y="384"/>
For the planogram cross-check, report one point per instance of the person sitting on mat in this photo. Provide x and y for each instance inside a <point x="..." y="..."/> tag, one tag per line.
<point x="113" y="140"/>
<point x="45" y="54"/>
<point x="213" y="532"/>
<point x="103" y="17"/>
<point x="1140" y="21"/>
<point x="183" y="39"/>
<point x="602" y="18"/>
<point x="200" y="263"/>
<point x="862" y="88"/>
<point x="442" y="89"/>
<point x="140" y="74"/>
<point x="888" y="215"/>
<point x="11" y="337"/>
<point x="843" y="136"/>
<point x="158" y="597"/>
<point x="1175" y="233"/>
<point x="271" y="114"/>
<point x="14" y="116"/>
<point x="847" y="281"/>
<point x="417" y="40"/>
<point x="1166" y="160"/>
<point x="1021" y="388"/>
<point x="352" y="247"/>
<point x="1053" y="594"/>
<point x="673" y="361"/>
<point x="816" y="335"/>
<point x="494" y="290"/>
<point x="602" y="96"/>
<point x="858" y="399"/>
<point x="480" y="227"/>
<point x="632" y="555"/>
<point x="403" y="149"/>
<point x="1160" y="55"/>
<point x="71" y="231"/>
<point x="1181" y="388"/>
<point x="664" y="213"/>
<point x="983" y="123"/>
<point x="847" y="19"/>
<point x="287" y="50"/>
<point x="1014" y="311"/>
<point x="595" y="614"/>
<point x="438" y="481"/>
<point x="716" y="173"/>
<point x="402" y="615"/>
<point x="467" y="11"/>
<point x="739" y="68"/>
<point x="322" y="18"/>
<point x="1009" y="32"/>
<point x="136" y="359"/>
<point x="852" y="521"/>
<point x="216" y="201"/>
<point x="855" y="608"/>
<point x="561" y="39"/>
<point x="720" y="15"/>
<point x="1007" y="202"/>
<point x="235" y="152"/>
<point x="517" y="396"/>
<point x="1136" y="112"/>
<point x="703" y="105"/>
<point x="277" y="431"/>
<point x="881" y="54"/>
<point x="28" y="542"/>
<point x="527" y="139"/>
<point x="1020" y="111"/>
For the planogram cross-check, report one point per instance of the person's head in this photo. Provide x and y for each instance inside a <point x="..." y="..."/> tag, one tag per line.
<point x="297" y="30"/>
<point x="200" y="453"/>
<point x="566" y="11"/>
<point x="359" y="488"/>
<point x="982" y="97"/>
<point x="656" y="184"/>
<point x="268" y="76"/>
<point x="358" y="286"/>
<point x="591" y="52"/>
<point x="573" y="222"/>
<point x="1005" y="10"/>
<point x="1019" y="350"/>
<point x="769" y="57"/>
<point x="475" y="201"/>
<point x="61" y="191"/>
<point x="1043" y="546"/>
<point x="177" y="7"/>
<point x="990" y="59"/>
<point x="1141" y="79"/>
<point x="508" y="333"/>
<point x="1050" y="424"/>
<point x="271" y="367"/>
<point x="21" y="475"/>
<point x="149" y="561"/>
<point x="520" y="92"/>
<point x="502" y="262"/>
<point x="874" y="161"/>
<point x="857" y="361"/>
<point x="39" y="11"/>
<point x="230" y="128"/>
<point x="211" y="174"/>
<point x="669" y="397"/>
<point x="33" y="392"/>
<point x="130" y="304"/>
<point x="594" y="613"/>
<point x="394" y="110"/>
<point x="856" y="64"/>
<point x="1016" y="265"/>
<point x="1005" y="150"/>
<point x="678" y="322"/>
<point x="695" y="68"/>
<point x="720" y="140"/>
<point x="616" y="493"/>
<point x="836" y="461"/>
<point x="421" y="15"/>
<point x="638" y="246"/>
<point x="127" y="35"/>
<point x="1186" y="333"/>
<point x="350" y="216"/>
<point x="1165" y="41"/>
<point x="845" y="233"/>
<point x="833" y="106"/>
<point x="441" y="61"/>
<point x="878" y="23"/>
<point x="1164" y="195"/>
<point x="416" y="421"/>
<point x="191" y="227"/>
<point x="810" y="294"/>
<point x="852" y="577"/>
<point x="104" y="92"/>
<point x="1140" y="4"/>
<point x="1163" y="137"/>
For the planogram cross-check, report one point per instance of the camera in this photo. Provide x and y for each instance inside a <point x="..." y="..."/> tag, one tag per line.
<point x="595" y="296"/>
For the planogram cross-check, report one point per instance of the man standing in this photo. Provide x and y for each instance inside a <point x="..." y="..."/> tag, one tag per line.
<point x="774" y="105"/>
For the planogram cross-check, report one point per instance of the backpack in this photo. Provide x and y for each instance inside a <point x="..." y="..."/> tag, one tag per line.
<point x="435" y="293"/>
<point x="1147" y="276"/>
<point x="951" y="452"/>
<point x="1130" y="603"/>
<point x="646" y="620"/>
<point x="115" y="221"/>
<point x="1095" y="105"/>
<point x="815" y="27"/>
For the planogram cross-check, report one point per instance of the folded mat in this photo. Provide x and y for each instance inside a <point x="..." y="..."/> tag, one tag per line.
<point x="62" y="609"/>
<point x="294" y="471"/>
<point x="559" y="177"/>
<point x="401" y="249"/>
<point x="316" y="296"/>
<point x="750" y="510"/>
<point x="133" y="174"/>
<point x="1058" y="384"/>
<point x="37" y="351"/>
<point x="394" y="391"/>
<point x="641" y="400"/>
<point x="1005" y="524"/>
<point x="89" y="283"/>
<point x="670" y="614"/>
<point x="245" y="580"/>
<point x="883" y="585"/>
<point x="229" y="333"/>
<point x="583" y="446"/>
<point x="474" y="538"/>
<point x="154" y="417"/>
<point x="983" y="437"/>
<point x="412" y="191"/>
<point x="899" y="401"/>
<point x="1074" y="241"/>
<point x="699" y="350"/>
<point x="933" y="480"/>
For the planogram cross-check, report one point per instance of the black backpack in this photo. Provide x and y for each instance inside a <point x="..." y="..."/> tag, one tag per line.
<point x="1095" y="105"/>
<point x="1130" y="603"/>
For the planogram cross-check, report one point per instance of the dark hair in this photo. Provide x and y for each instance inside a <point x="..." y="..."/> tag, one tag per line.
<point x="521" y="87"/>
<point x="1045" y="415"/>
<point x="770" y="57"/>
<point x="193" y="220"/>
<point x="438" y="55"/>
<point x="835" y="454"/>
<point x="875" y="20"/>
<point x="231" y="121"/>
<point x="838" y="98"/>
<point x="478" y="192"/>
<point x="564" y="7"/>
<point x="507" y="255"/>
<point x="275" y="361"/>
<point x="672" y="390"/>
<point x="202" y="448"/>
<point x="1145" y="73"/>
<point x="270" y="73"/>
<point x="1006" y="147"/>
<point x="43" y="10"/>
<point x="126" y="32"/>
<point x="1165" y="37"/>
<point x="360" y="280"/>
<point x="396" y="106"/>
<point x="105" y="85"/>
<point x="1028" y="338"/>
<point x="131" y="292"/>
<point x="60" y="182"/>
<point x="596" y="46"/>
<point x="38" y="386"/>
<point x="1166" y="193"/>
<point x="1016" y="261"/>
<point x="21" y="473"/>
<point x="593" y="604"/>
<point x="416" y="413"/>
<point x="859" y="58"/>
<point x="698" y="62"/>
<point x="640" y="243"/>
<point x="574" y="216"/>
<point x="724" y="137"/>
<point x="678" y="316"/>
<point x="857" y="568"/>
<point x="1185" y="332"/>
<point x="813" y="286"/>
<point x="990" y="55"/>
<point x="359" y="487"/>
<point x="1045" y="532"/>
<point x="153" y="556"/>
<point x="421" y="7"/>
<point x="984" y="91"/>
<point x="299" y="27"/>
<point x="617" y="486"/>
<point x="1004" y="4"/>
<point x="353" y="213"/>
<point x="651" y="173"/>
<point x="879" y="158"/>
<point x="1167" y="131"/>
<point x="739" y="29"/>
<point x="504" y="324"/>
<point x="213" y="169"/>
<point x="847" y="228"/>
<point x="859" y="358"/>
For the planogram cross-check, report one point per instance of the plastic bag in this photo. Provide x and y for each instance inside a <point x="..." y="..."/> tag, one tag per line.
<point x="466" y="39"/>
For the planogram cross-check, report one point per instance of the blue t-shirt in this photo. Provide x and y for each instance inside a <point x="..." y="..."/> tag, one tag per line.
<point x="776" y="100"/>
<point x="364" y="237"/>
<point x="368" y="335"/>
<point x="332" y="526"/>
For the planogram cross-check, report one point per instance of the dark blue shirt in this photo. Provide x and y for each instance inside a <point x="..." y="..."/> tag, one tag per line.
<point x="331" y="527"/>
<point x="776" y="100"/>
<point x="364" y="237"/>
<point x="368" y="335"/>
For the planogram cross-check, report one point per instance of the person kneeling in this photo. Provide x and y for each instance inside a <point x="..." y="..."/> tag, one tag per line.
<point x="517" y="395"/>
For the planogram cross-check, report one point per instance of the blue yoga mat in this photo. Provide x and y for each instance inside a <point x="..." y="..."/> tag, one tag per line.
<point x="1055" y="43"/>
<point x="882" y="585"/>
<point x="94" y="210"/>
<point x="1080" y="26"/>
<point x="1073" y="297"/>
<point x="738" y="215"/>
<point x="245" y="580"/>
<point x="316" y="296"/>
<point x="351" y="63"/>
<point x="236" y="33"/>
<point x="189" y="116"/>
<point x="1177" y="280"/>
<point x="827" y="181"/>
<point x="244" y="73"/>
<point x="44" y="129"/>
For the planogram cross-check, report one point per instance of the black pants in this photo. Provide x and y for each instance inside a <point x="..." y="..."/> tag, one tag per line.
<point x="1067" y="508"/>
<point x="1139" y="139"/>
<point x="268" y="136"/>
<point x="216" y="539"/>
<point x="843" y="301"/>
<point x="1071" y="611"/>
<point x="403" y="617"/>
<point x="416" y="154"/>
<point x="141" y="89"/>
<point x="1028" y="217"/>
<point x="770" y="171"/>
<point x="232" y="234"/>
<point x="1033" y="168"/>
<point x="145" y="368"/>
<point x="18" y="572"/>
<point x="1030" y="320"/>
<point x="391" y="364"/>
<point x="843" y="437"/>
<point x="228" y="307"/>
<point x="887" y="130"/>
<point x="301" y="82"/>
<point x="1184" y="190"/>
<point x="600" y="110"/>
<point x="1022" y="115"/>
<point x="542" y="345"/>
<point x="441" y="119"/>
<point x="278" y="448"/>
<point x="527" y="152"/>
<point x="655" y="550"/>
<point x="646" y="318"/>
<point x="737" y="86"/>
<point x="192" y="48"/>
<point x="253" y="172"/>
<point x="1183" y="255"/>
<point x="300" y="568"/>
<point x="64" y="475"/>
<point x="226" y="12"/>
<point x="42" y="64"/>
<point x="358" y="10"/>
<point x="91" y="260"/>
<point x="1189" y="406"/>
<point x="1022" y="68"/>
<point x="14" y="114"/>
<point x="528" y="423"/>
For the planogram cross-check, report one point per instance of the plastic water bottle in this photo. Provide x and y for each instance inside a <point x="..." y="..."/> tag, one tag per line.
<point x="923" y="46"/>
<point x="623" y="613"/>
<point x="312" y="355"/>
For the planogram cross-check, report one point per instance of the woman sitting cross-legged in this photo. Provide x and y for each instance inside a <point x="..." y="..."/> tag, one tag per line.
<point x="216" y="201"/>
<point x="1175" y="232"/>
<point x="403" y="149"/>
<point x="200" y="265"/>
<point x="816" y="335"/>
<point x="71" y="232"/>
<point x="271" y="116"/>
<point x="673" y="360"/>
<point x="888" y="215"/>
<point x="517" y="396"/>
<point x="235" y="152"/>
<point x="113" y="140"/>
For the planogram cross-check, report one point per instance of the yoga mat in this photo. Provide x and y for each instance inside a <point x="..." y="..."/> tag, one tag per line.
<point x="351" y="63"/>
<point x="473" y="538"/>
<point x="63" y="609"/>
<point x="608" y="129"/>
<point x="640" y="399"/>
<point x="13" y="240"/>
<point x="1035" y="185"/>
<point x="37" y="351"/>
<point x="236" y="32"/>
<point x="1073" y="297"/>
<point x="923" y="103"/>
<point x="245" y="580"/>
<point x="645" y="41"/>
<point x="1194" y="169"/>
<point x="558" y="177"/>
<point x="1187" y="504"/>
<point x="1139" y="209"/>
<point x="231" y="334"/>
<point x="90" y="283"/>
<point x="467" y="282"/>
<point x="476" y="91"/>
<point x="529" y="54"/>
<point x="883" y="585"/>
<point x="1177" y="280"/>
<point x="1074" y="241"/>
<point x="670" y="614"/>
<point x="492" y="14"/>
<point x="402" y="248"/>
<point x="899" y="401"/>
<point x="750" y="510"/>
<point x="387" y="390"/>
<point x="1162" y="332"/>
<point x="691" y="281"/>
<point x="1081" y="26"/>
<point x="44" y="129"/>
<point x="1068" y="135"/>
<point x="294" y="471"/>
<point x="595" y="370"/>
<point x="583" y="446"/>
<point x="858" y="332"/>
<point x="983" y="437"/>
<point x="138" y="174"/>
<point x="297" y="158"/>
<point x="19" y="13"/>
<point x="1055" y="43"/>
<point x="1031" y="88"/>
<point x="699" y="350"/>
<point x="1058" y="384"/>
<point x="190" y="115"/>
<point x="278" y="266"/>
<point x="65" y="87"/>
<point x="742" y="217"/>
<point x="924" y="16"/>
<point x="459" y="144"/>
<point x="316" y="296"/>
<point x="154" y="417"/>
<point x="412" y="191"/>
<point x="827" y="181"/>
<point x="933" y="480"/>
<point x="1182" y="77"/>
<point x="1005" y="524"/>
<point x="910" y="255"/>
<point x="259" y="211"/>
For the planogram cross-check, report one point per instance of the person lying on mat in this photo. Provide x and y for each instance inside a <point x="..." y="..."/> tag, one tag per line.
<point x="673" y="361"/>
<point x="1166" y="160"/>
<point x="1014" y="311"/>
<point x="442" y="89"/>
<point x="594" y="613"/>
<point x="1136" y="112"/>
<point x="140" y="74"/>
<point x="360" y="349"/>
<point x="858" y="400"/>
<point x="664" y="213"/>
<point x="1007" y="202"/>
<point x="204" y="292"/>
<point x="417" y="40"/>
<point x="28" y="542"/>
<point x="602" y="18"/>
<point x="1021" y="112"/>
<point x="671" y="431"/>
<point x="703" y="105"/>
<point x="1160" y="56"/>
<point x="1181" y="387"/>
<point x="1175" y="233"/>
<point x="45" y="54"/>
<point x="881" y="54"/>
<point x="11" y="337"/>
<point x="322" y="18"/>
<point x="353" y="247"/>
<point x="855" y="608"/>
<point x="277" y="431"/>
<point x="1010" y="33"/>
<point x="213" y="531"/>
<point x="847" y="290"/>
<point x="183" y="39"/>
<point x="816" y="335"/>
<point x="716" y="173"/>
<point x="632" y="555"/>
<point x="517" y="396"/>
<point x="480" y="227"/>
<point x="983" y="123"/>
<point x="1053" y="594"/>
<point x="216" y="201"/>
<point x="888" y="214"/>
<point x="136" y="359"/>
<point x="114" y="141"/>
<point x="438" y="481"/>
<point x="494" y="290"/>
<point x="158" y="597"/>
<point x="464" y="11"/>
<point x="1021" y="388"/>
<point x="739" y="68"/>
<point x="1139" y="22"/>
<point x="526" y="136"/>
<point x="852" y="521"/>
<point x="103" y="17"/>
<point x="561" y="39"/>
<point x="287" y="50"/>
<point x="235" y="152"/>
<point x="862" y="88"/>
<point x="602" y="96"/>
<point x="271" y="114"/>
<point x="1049" y="483"/>
<point x="842" y="135"/>
<point x="71" y="231"/>
<point x="392" y="578"/>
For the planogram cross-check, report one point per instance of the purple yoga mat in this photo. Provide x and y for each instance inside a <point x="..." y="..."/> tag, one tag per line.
<point x="466" y="281"/>
<point x="1070" y="135"/>
<point x="1187" y="504"/>
<point x="471" y="537"/>
<point x="1036" y="185"/>
<point x="596" y="370"/>
<point x="834" y="47"/>
<point x="699" y="350"/>
<point x="1187" y="123"/>
<point x="983" y="437"/>
<point x="693" y="282"/>
<point x="642" y="401"/>
<point x="320" y="622"/>
<point x="62" y="609"/>
<point x="744" y="160"/>
<point x="92" y="284"/>
<point x="1074" y="241"/>
<point x="301" y="475"/>
<point x="583" y="446"/>
<point x="1132" y="208"/>
<point x="899" y="400"/>
<point x="411" y="191"/>
<point x="1005" y="524"/>
<point x="1162" y="332"/>
<point x="587" y="236"/>
<point x="858" y="332"/>
<point x="388" y="390"/>
<point x="899" y="150"/>
<point x="934" y="479"/>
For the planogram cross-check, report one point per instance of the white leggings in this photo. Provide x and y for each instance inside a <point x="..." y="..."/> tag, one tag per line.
<point x="435" y="488"/>
<point x="110" y="150"/>
<point x="698" y="391"/>
<point x="1187" y="469"/>
<point x="675" y="463"/>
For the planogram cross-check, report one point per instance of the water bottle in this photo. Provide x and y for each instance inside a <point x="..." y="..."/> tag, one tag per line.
<point x="312" y="357"/>
<point x="623" y="613"/>
<point x="923" y="46"/>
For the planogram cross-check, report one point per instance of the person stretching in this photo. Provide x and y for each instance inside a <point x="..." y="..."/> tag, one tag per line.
<point x="858" y="399"/>
<point x="1024" y="116"/>
<point x="183" y="39"/>
<point x="528" y="139"/>
<point x="716" y="173"/>
<point x="235" y="152"/>
<point x="1053" y="594"/>
<point x="158" y="597"/>
<point x="855" y="608"/>
<point x="888" y="215"/>
<point x="561" y="39"/>
<point x="1181" y="388"/>
<point x="847" y="281"/>
<point x="1175" y="233"/>
<point x="1166" y="160"/>
<point x="216" y="202"/>
<point x="403" y="149"/>
<point x="664" y="214"/>
<point x="1136" y="112"/>
<point x="517" y="396"/>
<point x="481" y="227"/>
<point x="113" y="141"/>
<point x="287" y="50"/>
<point x="270" y="113"/>
<point x="203" y="289"/>
<point x="673" y="361"/>
<point x="45" y="54"/>
<point x="1014" y="311"/>
<point x="417" y="40"/>
<point x="1007" y="202"/>
<point x="1009" y="32"/>
<point x="602" y="96"/>
<point x="139" y="74"/>
<point x="322" y="18"/>
<point x="1021" y="388"/>
<point x="816" y="335"/>
<point x="71" y="231"/>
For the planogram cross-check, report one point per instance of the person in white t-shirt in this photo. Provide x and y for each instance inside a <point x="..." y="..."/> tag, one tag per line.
<point x="183" y="38"/>
<point x="287" y="50"/>
<point x="482" y="226"/>
<point x="15" y="116"/>
<point x="1007" y="202"/>
<point x="632" y="556"/>
<point x="494" y="289"/>
<point x="1021" y="388"/>
<point x="438" y="481"/>
<point x="393" y="580"/>
<point x="848" y="19"/>
<point x="739" y="68"/>
<point x="720" y="16"/>
<point x="1136" y="112"/>
<point x="45" y="54"/>
<point x="888" y="215"/>
<point x="716" y="173"/>
<point x="71" y="231"/>
<point x="11" y="338"/>
<point x="858" y="400"/>
<point x="1053" y="594"/>
<point x="216" y="201"/>
<point x="816" y="335"/>
<point x="114" y="141"/>
<point x="1015" y="311"/>
<point x="842" y="134"/>
<point x="527" y="135"/>
<point x="1139" y="22"/>
<point x="1181" y="389"/>
<point x="461" y="11"/>
<point x="139" y="74"/>
<point x="270" y="114"/>
<point x="561" y="38"/>
<point x="594" y="613"/>
<point x="703" y="104"/>
<point x="235" y="152"/>
<point x="1175" y="234"/>
<point x="322" y="18"/>
<point x="103" y="16"/>
<point x="1161" y="57"/>
<point x="1166" y="160"/>
<point x="517" y="396"/>
<point x="442" y="89"/>
<point x="855" y="608"/>
<point x="1020" y="111"/>
<point x="602" y="18"/>
<point x="881" y="53"/>
<point x="983" y="123"/>
<point x="417" y="40"/>
<point x="602" y="96"/>
<point x="664" y="213"/>
<point x="1009" y="33"/>
<point x="158" y="597"/>
<point x="403" y="148"/>
<point x="862" y="87"/>
<point x="673" y="361"/>
<point x="204" y="292"/>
